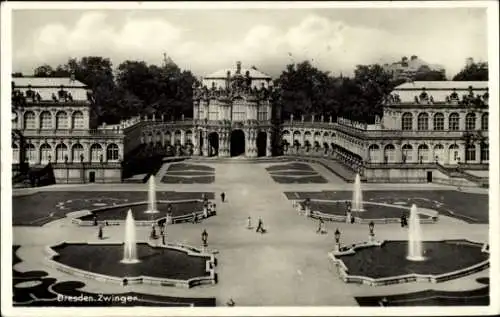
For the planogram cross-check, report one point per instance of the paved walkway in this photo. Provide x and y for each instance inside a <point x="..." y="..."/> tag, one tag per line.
<point x="287" y="266"/>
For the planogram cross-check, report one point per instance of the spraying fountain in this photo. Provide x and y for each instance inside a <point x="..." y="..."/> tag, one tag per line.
<point x="130" y="248"/>
<point x="152" y="209"/>
<point x="357" y="197"/>
<point x="414" y="237"/>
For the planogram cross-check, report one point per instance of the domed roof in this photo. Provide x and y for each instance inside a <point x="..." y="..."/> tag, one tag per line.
<point x="222" y="73"/>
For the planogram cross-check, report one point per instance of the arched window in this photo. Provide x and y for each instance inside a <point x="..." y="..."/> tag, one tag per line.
<point x="150" y="138"/>
<point x="61" y="152"/>
<point x="470" y="121"/>
<point x="439" y="121"/>
<point x="326" y="137"/>
<point x="213" y="111"/>
<point x="112" y="152"/>
<point x="77" y="121"/>
<point x="95" y="152"/>
<point x="374" y="153"/>
<point x="317" y="136"/>
<point x="423" y="122"/>
<point x="470" y="152"/>
<point x="15" y="153"/>
<point x="454" y="122"/>
<point x="423" y="153"/>
<point x="439" y="153"/>
<point x="30" y="154"/>
<point x="485" y="152"/>
<point x="189" y="137"/>
<point x="484" y="121"/>
<point x="45" y="120"/>
<point x="390" y="153"/>
<point x="45" y="153"/>
<point x="407" y="121"/>
<point x="308" y="136"/>
<point x="77" y="152"/>
<point x="29" y="120"/>
<point x="262" y="112"/>
<point x="407" y="153"/>
<point x="239" y="112"/>
<point x="168" y="138"/>
<point x="296" y="136"/>
<point x="286" y="136"/>
<point x="62" y="120"/>
<point x="158" y="137"/>
<point x="177" y="137"/>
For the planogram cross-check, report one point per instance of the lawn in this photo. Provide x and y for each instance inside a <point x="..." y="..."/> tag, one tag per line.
<point x="470" y="207"/>
<point x="43" y="207"/>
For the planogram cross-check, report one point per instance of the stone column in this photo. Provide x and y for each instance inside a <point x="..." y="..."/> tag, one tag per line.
<point x="183" y="137"/>
<point x="196" y="146"/>
<point x="205" y="143"/>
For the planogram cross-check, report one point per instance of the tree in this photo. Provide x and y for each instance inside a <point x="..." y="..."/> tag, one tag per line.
<point x="43" y="71"/>
<point x="473" y="72"/>
<point x="304" y="90"/>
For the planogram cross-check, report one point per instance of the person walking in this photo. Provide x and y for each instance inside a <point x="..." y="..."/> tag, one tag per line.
<point x="249" y="223"/>
<point x="260" y="226"/>
<point x="100" y="234"/>
<point x="222" y="196"/>
<point x="195" y="218"/>
<point x="320" y="226"/>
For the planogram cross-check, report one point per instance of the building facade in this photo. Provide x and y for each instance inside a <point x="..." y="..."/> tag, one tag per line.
<point x="51" y="121"/>
<point x="408" y="68"/>
<point x="434" y="131"/>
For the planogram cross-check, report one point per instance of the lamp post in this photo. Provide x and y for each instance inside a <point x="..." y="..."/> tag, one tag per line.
<point x="371" y="226"/>
<point x="337" y="240"/>
<point x="204" y="237"/>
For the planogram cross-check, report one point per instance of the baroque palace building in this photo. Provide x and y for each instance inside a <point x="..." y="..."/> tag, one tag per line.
<point x="433" y="131"/>
<point x="51" y="126"/>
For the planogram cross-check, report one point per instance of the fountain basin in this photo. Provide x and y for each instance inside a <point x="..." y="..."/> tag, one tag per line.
<point x="182" y="211"/>
<point x="379" y="213"/>
<point x="386" y="263"/>
<point x="170" y="265"/>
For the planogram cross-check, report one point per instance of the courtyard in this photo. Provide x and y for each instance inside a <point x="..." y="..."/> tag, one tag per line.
<point x="286" y="266"/>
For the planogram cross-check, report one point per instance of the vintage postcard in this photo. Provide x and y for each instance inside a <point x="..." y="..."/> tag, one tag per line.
<point x="249" y="158"/>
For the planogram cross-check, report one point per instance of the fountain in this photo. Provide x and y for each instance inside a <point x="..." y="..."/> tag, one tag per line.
<point x="357" y="197"/>
<point x="414" y="237"/>
<point x="130" y="248"/>
<point x="152" y="209"/>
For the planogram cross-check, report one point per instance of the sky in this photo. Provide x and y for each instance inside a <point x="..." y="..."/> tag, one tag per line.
<point x="203" y="41"/>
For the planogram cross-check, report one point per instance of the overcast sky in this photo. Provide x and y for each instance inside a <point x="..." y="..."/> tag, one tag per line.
<point x="207" y="40"/>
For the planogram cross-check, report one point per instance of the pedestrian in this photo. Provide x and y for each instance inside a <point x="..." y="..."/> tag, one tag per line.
<point x="249" y="223"/>
<point x="404" y="223"/>
<point x="100" y="234"/>
<point x="222" y="196"/>
<point x="195" y="218"/>
<point x="95" y="220"/>
<point x="153" y="232"/>
<point x="260" y="226"/>
<point x="320" y="226"/>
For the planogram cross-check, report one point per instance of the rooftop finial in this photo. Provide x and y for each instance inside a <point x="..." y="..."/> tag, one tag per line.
<point x="238" y="67"/>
